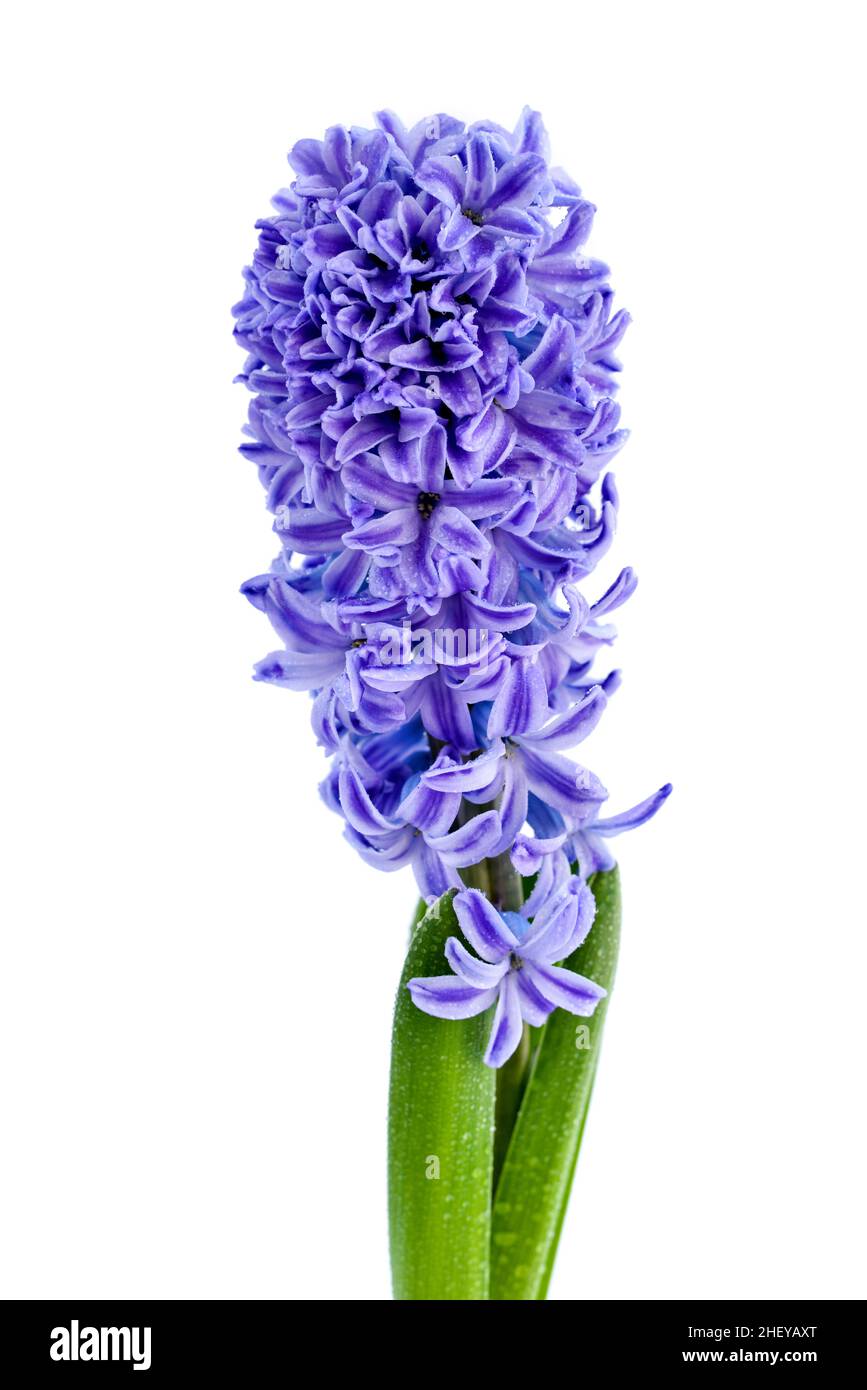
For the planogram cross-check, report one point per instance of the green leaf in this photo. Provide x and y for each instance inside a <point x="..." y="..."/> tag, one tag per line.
<point x="440" y="1135"/>
<point x="534" y="1186"/>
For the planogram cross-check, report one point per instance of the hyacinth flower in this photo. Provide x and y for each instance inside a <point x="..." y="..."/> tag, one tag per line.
<point x="431" y="356"/>
<point x="517" y="968"/>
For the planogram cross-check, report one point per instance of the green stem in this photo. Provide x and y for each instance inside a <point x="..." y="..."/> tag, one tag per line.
<point x="507" y="889"/>
<point x="511" y="1084"/>
<point x="441" y="1114"/>
<point x="533" y="1189"/>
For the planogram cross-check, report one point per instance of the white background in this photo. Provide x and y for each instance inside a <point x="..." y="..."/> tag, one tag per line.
<point x="194" y="1086"/>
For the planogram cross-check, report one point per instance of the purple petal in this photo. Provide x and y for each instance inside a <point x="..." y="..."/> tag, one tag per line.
<point x="485" y="451"/>
<point x="485" y="498"/>
<point x="306" y="157"/>
<point x="364" y="435"/>
<point x="623" y="587"/>
<point x="573" y="726"/>
<point x="327" y="240"/>
<point x="591" y="853"/>
<point x="464" y="777"/>
<point x="522" y="702"/>
<point x="550" y="411"/>
<point x="513" y="802"/>
<point x="553" y="355"/>
<point x="309" y="532"/>
<point x="306" y="413"/>
<point x="499" y="617"/>
<point x="371" y="484"/>
<point x="530" y="134"/>
<point x="395" y="528"/>
<point x="379" y="711"/>
<point x="431" y="811"/>
<point x="446" y="716"/>
<point x="345" y="574"/>
<point x="554" y="873"/>
<point x="470" y="843"/>
<point x="508" y="1024"/>
<point x="357" y="806"/>
<point x="482" y="925"/>
<point x="433" y="876"/>
<point x="628" y="820"/>
<point x="534" y="1007"/>
<point x="443" y="177"/>
<point x="457" y="534"/>
<point x="451" y="354"/>
<point x="482" y="683"/>
<point x="458" y="231"/>
<point x="513" y="222"/>
<point x="555" y="445"/>
<point x="415" y="423"/>
<point x="460" y="392"/>
<point x="574" y="230"/>
<point x="445" y="996"/>
<point x="298" y="619"/>
<point x="481" y="174"/>
<point x="561" y="925"/>
<point x="565" y="989"/>
<point x="299" y="670"/>
<point x="478" y="973"/>
<point x="570" y="789"/>
<point x="432" y="459"/>
<point x="397" y="677"/>
<point x="388" y="854"/>
<point x="518" y="181"/>
<point x="528" y="852"/>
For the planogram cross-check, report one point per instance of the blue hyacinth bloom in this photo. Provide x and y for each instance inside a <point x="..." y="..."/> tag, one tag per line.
<point x="432" y="360"/>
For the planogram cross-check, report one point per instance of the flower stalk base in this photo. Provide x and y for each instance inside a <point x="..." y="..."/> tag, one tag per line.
<point x="481" y="1162"/>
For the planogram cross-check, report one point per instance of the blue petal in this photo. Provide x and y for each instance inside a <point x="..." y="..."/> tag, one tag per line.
<point x="521" y="704"/>
<point x="570" y="789"/>
<point x="565" y="989"/>
<point x="445" y="996"/>
<point x="637" y="815"/>
<point x="508" y="1024"/>
<point x="483" y="926"/>
<point x="478" y="973"/>
<point x="469" y="844"/>
<point x="573" y="726"/>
